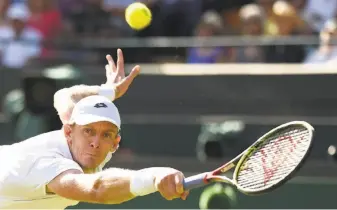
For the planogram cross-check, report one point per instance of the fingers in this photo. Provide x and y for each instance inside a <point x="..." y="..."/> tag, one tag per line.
<point x="171" y="186"/>
<point x="179" y="178"/>
<point x="120" y="62"/>
<point x="108" y="73"/>
<point x="110" y="68"/>
<point x="123" y="86"/>
<point x="184" y="195"/>
<point x="116" y="75"/>
<point x="167" y="188"/>
<point x="111" y="63"/>
<point x="133" y="74"/>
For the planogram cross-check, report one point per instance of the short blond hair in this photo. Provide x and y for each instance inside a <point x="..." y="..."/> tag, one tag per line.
<point x="66" y="98"/>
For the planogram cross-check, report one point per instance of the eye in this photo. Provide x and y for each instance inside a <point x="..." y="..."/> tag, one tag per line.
<point x="88" y="131"/>
<point x="108" y="135"/>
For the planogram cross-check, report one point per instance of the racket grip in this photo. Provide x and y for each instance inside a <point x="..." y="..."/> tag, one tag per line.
<point x="195" y="181"/>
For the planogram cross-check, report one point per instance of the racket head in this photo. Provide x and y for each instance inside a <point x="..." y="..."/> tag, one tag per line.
<point x="274" y="158"/>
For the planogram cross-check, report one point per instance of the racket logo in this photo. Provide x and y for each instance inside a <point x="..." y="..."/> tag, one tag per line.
<point x="275" y="157"/>
<point x="227" y="167"/>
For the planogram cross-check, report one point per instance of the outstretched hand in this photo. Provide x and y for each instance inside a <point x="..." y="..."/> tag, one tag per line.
<point x="169" y="183"/>
<point x="115" y="75"/>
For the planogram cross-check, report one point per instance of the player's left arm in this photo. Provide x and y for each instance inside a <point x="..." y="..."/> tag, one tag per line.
<point x="116" y="86"/>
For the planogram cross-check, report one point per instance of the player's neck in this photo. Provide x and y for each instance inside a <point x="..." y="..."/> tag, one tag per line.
<point x="88" y="170"/>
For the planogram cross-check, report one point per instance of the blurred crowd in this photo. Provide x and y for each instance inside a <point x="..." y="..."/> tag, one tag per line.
<point x="268" y="18"/>
<point x="65" y="21"/>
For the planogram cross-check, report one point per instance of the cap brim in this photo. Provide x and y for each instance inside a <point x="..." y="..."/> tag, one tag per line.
<point x="85" y="119"/>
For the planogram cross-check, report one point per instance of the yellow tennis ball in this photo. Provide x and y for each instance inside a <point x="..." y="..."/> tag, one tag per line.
<point x="138" y="15"/>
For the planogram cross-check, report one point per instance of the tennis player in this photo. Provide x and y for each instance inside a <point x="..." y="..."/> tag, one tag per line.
<point x="61" y="168"/>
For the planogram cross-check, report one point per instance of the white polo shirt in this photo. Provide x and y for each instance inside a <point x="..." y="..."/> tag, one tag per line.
<point x="28" y="166"/>
<point x="15" y="53"/>
<point x="317" y="12"/>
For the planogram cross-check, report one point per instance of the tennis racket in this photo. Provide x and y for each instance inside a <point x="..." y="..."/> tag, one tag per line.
<point x="267" y="164"/>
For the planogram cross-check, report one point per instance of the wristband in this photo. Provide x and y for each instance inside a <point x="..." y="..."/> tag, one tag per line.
<point x="107" y="91"/>
<point x="142" y="183"/>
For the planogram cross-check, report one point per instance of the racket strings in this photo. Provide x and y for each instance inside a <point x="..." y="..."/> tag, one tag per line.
<point x="271" y="160"/>
<point x="273" y="164"/>
<point x="274" y="160"/>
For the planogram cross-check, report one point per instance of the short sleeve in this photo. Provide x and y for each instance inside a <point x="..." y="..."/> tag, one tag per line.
<point x="31" y="174"/>
<point x="28" y="175"/>
<point x="45" y="169"/>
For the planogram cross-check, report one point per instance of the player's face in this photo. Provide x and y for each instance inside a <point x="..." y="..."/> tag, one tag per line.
<point x="90" y="144"/>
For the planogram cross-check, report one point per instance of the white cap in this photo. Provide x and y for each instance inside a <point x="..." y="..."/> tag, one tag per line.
<point x="19" y="12"/>
<point x="93" y="109"/>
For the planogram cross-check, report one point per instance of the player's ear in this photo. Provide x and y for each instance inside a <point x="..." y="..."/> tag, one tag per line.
<point x="68" y="129"/>
<point x="116" y="144"/>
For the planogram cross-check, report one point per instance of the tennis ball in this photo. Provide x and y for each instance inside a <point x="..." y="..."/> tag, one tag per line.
<point x="138" y="15"/>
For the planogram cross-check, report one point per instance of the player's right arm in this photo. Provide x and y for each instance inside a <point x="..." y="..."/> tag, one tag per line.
<point x="93" y="188"/>
<point x="114" y="186"/>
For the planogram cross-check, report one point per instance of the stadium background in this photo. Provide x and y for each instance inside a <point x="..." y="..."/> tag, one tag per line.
<point x="216" y="75"/>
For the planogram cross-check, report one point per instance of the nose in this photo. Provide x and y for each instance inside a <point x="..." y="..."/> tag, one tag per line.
<point x="95" y="142"/>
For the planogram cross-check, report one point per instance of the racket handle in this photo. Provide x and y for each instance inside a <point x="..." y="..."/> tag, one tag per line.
<point x="195" y="181"/>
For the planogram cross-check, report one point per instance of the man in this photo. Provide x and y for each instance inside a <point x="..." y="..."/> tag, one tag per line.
<point x="61" y="168"/>
<point x="18" y="38"/>
<point x="252" y="20"/>
<point x="327" y="51"/>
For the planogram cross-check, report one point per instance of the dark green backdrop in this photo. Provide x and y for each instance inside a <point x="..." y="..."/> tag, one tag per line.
<point x="311" y="95"/>
<point x="298" y="196"/>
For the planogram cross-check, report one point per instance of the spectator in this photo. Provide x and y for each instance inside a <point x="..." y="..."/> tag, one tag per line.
<point x="20" y="43"/>
<point x="229" y="10"/>
<point x="327" y="52"/>
<point x="252" y="18"/>
<point x="281" y="17"/>
<point x="45" y="18"/>
<point x="210" y="25"/>
<point x="90" y="20"/>
<point x="4" y="4"/>
<point x="316" y="12"/>
<point x="283" y="20"/>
